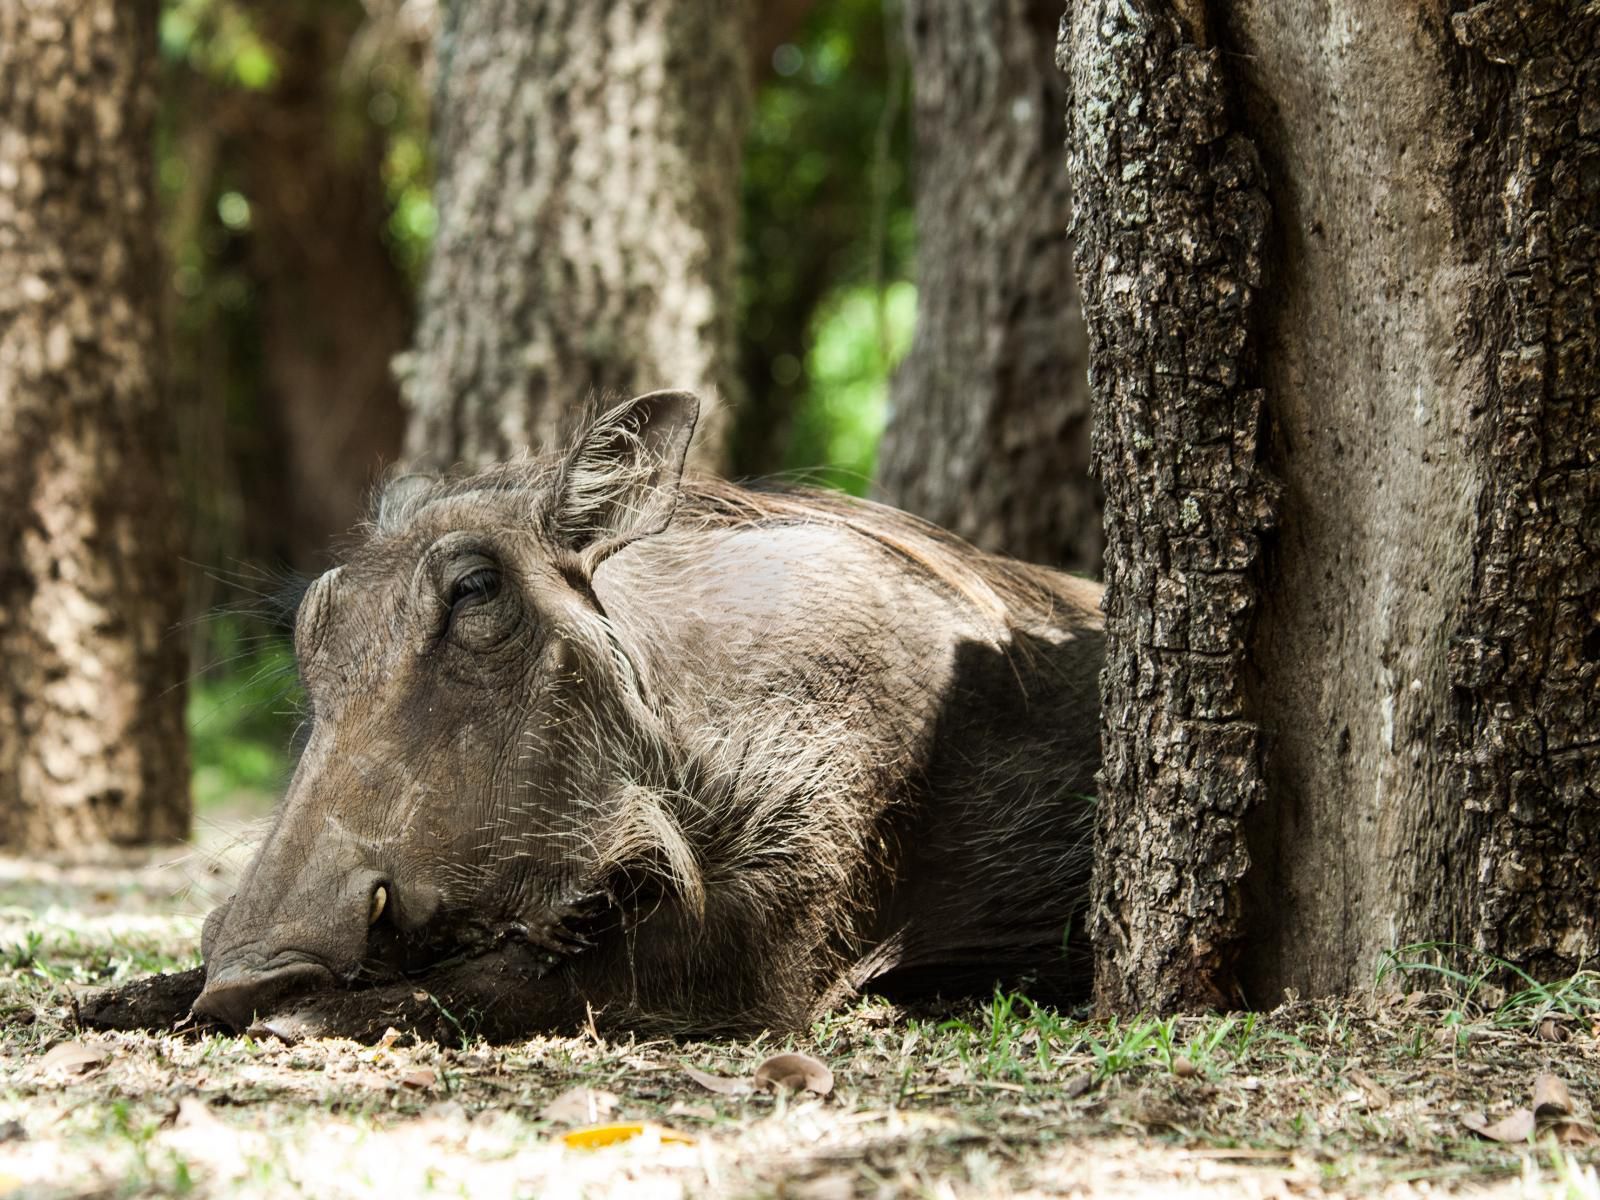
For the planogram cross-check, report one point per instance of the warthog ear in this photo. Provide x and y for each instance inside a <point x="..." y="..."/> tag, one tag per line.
<point x="623" y="478"/>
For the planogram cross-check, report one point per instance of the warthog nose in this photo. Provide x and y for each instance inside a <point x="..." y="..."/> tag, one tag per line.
<point x="237" y="996"/>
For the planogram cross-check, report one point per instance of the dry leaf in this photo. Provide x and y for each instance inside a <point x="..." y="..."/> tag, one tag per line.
<point x="795" y="1072"/>
<point x="1517" y="1127"/>
<point x="75" y="1058"/>
<point x="721" y="1084"/>
<point x="596" y="1136"/>
<point x="1077" y="1085"/>
<point x="1377" y="1095"/>
<point x="1575" y="1133"/>
<point x="1552" y="1030"/>
<point x="579" y="1106"/>
<point x="1551" y="1097"/>
<point x="419" y="1080"/>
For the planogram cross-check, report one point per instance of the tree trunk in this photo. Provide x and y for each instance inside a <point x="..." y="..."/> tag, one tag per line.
<point x="335" y="308"/>
<point x="588" y="199"/>
<point x="1379" y="723"/>
<point x="989" y="411"/>
<point x="92" y="743"/>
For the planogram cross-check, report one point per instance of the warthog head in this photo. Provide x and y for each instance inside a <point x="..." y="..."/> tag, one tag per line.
<point x="472" y="718"/>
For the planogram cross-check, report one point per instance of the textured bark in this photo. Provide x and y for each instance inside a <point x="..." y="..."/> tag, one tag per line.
<point x="1169" y="225"/>
<point x="588" y="200"/>
<point x="1525" y="658"/>
<point x="91" y="680"/>
<point x="1425" y="663"/>
<point x="988" y="432"/>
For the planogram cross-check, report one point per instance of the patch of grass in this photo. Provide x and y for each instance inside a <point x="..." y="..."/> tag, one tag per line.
<point x="1481" y="987"/>
<point x="1003" y="1095"/>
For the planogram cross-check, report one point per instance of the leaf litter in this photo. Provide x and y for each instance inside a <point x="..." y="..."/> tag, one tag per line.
<point x="1363" y="1097"/>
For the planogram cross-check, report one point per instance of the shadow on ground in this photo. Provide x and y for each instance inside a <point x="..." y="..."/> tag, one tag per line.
<point x="1367" y="1097"/>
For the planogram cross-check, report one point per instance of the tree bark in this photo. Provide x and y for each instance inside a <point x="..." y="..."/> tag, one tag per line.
<point x="1423" y="662"/>
<point x="92" y="745"/>
<point x="989" y="410"/>
<point x="1169" y="228"/>
<point x="588" y="199"/>
<point x="1524" y="656"/>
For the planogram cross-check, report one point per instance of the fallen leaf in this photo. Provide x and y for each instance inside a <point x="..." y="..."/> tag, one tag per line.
<point x="1077" y="1085"/>
<point x="286" y="1028"/>
<point x="419" y="1080"/>
<point x="1575" y="1133"/>
<point x="1551" y="1030"/>
<point x="796" y="1072"/>
<point x="75" y="1058"/>
<point x="1377" y="1094"/>
<point x="596" y="1136"/>
<point x="721" y="1084"/>
<point x="1517" y="1127"/>
<point x="1551" y="1097"/>
<point x="390" y="1036"/>
<point x="579" y="1106"/>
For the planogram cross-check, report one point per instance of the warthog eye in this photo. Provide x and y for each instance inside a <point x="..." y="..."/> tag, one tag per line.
<point x="475" y="585"/>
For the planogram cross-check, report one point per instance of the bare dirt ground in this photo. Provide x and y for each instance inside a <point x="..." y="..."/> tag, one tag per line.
<point x="1375" y="1096"/>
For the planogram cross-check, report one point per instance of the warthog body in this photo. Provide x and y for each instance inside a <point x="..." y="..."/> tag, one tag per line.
<point x="593" y="741"/>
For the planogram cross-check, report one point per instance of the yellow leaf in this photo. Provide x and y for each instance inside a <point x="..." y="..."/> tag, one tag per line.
<point x="593" y="1137"/>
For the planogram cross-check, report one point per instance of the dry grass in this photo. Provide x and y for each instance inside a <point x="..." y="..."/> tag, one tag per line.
<point x="1363" y="1097"/>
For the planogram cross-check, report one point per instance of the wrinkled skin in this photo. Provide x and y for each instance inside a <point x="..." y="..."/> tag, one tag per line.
<point x="590" y="742"/>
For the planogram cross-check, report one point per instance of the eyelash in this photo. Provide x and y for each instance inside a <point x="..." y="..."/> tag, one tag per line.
<point x="481" y="583"/>
<point x="484" y="583"/>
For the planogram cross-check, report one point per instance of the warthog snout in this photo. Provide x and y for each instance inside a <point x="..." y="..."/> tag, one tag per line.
<point x="235" y="997"/>
<point x="311" y="932"/>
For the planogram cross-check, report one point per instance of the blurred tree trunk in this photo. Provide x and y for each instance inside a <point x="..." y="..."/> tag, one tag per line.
<point x="588" y="193"/>
<point x="92" y="747"/>
<point x="988" y="427"/>
<point x="335" y="307"/>
<point x="1379" y="723"/>
<point x="278" y="477"/>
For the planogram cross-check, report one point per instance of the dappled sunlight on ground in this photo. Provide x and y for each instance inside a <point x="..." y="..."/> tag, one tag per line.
<point x="1366" y="1097"/>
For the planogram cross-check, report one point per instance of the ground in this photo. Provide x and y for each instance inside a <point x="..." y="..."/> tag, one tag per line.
<point x="1361" y="1097"/>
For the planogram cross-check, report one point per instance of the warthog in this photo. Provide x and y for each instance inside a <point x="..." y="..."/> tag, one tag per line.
<point x="590" y="740"/>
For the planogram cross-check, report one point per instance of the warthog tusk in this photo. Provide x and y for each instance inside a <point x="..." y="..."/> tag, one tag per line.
<point x="380" y="897"/>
